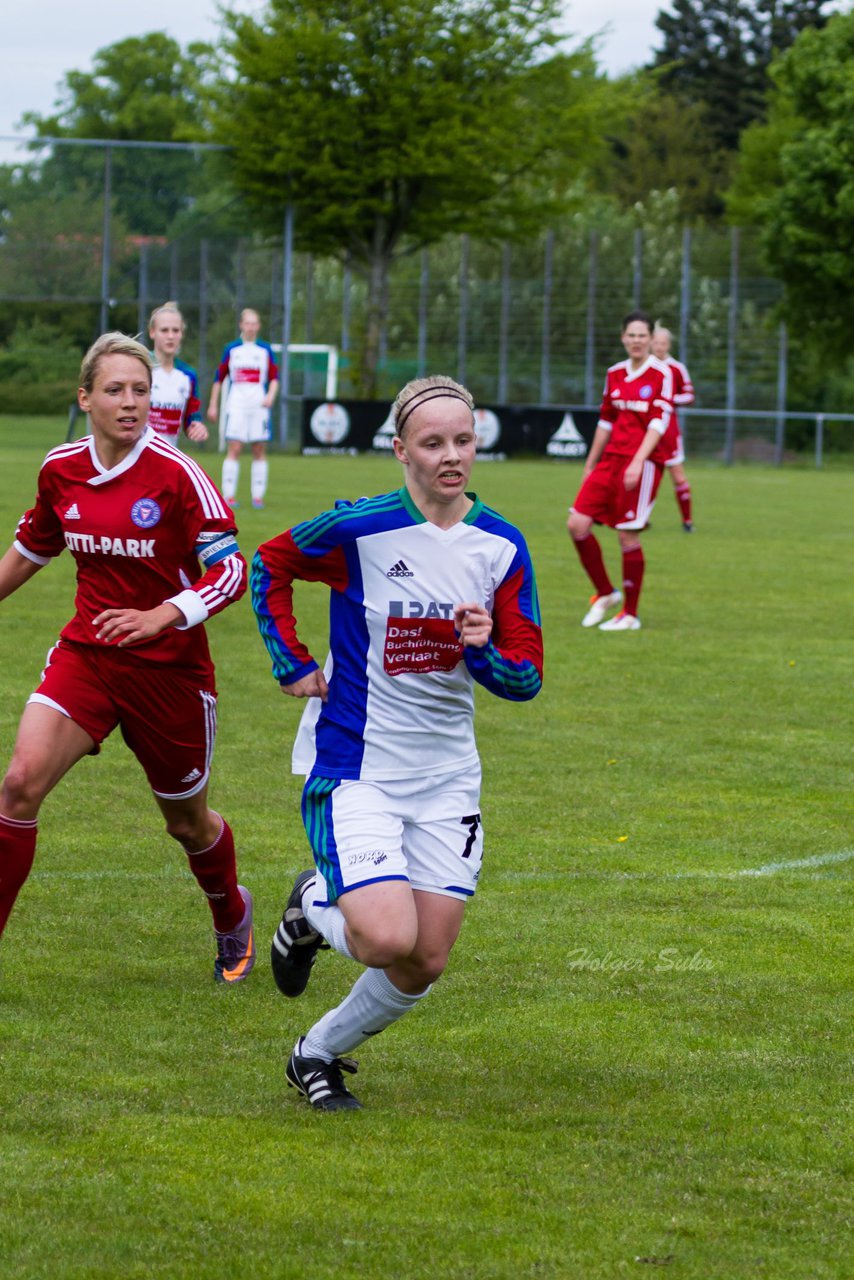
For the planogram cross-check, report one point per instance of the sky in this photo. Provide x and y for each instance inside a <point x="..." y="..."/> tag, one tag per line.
<point x="50" y="37"/>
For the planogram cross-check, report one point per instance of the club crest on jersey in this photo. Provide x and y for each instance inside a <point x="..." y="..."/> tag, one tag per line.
<point x="145" y="513"/>
<point x="645" y="392"/>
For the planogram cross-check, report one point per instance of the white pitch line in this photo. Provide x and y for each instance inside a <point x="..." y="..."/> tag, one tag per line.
<point x="818" y="860"/>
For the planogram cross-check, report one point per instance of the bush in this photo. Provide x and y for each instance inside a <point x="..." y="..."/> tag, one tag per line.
<point x="38" y="369"/>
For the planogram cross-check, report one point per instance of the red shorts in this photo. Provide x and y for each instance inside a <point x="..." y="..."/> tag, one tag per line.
<point x="167" y="714"/>
<point x="604" y="497"/>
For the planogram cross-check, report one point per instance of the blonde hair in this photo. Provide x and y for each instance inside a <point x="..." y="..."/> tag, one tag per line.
<point x="420" y="390"/>
<point x="166" y="306"/>
<point x="111" y="344"/>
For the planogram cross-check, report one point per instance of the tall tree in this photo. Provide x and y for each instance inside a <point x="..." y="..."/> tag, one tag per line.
<point x="666" y="144"/>
<point x="796" y="177"/>
<point x="140" y="89"/>
<point x="717" y="52"/>
<point x="390" y="123"/>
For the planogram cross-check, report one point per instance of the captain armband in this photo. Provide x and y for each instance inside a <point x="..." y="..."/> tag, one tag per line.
<point x="213" y="547"/>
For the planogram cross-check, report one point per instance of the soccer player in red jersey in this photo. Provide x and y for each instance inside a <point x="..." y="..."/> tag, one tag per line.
<point x="175" y="387"/>
<point x="672" y="447"/>
<point x="621" y="476"/>
<point x="156" y="555"/>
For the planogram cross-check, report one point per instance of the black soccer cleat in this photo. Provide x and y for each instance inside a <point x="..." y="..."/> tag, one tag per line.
<point x="687" y="526"/>
<point x="322" y="1083"/>
<point x="295" y="944"/>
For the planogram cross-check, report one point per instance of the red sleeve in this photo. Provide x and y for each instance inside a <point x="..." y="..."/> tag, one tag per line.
<point x="607" y="412"/>
<point x="39" y="535"/>
<point x="277" y="564"/>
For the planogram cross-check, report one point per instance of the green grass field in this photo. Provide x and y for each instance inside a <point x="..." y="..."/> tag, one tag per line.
<point x="637" y="1060"/>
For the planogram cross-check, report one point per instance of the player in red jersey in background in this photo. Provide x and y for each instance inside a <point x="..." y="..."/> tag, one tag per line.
<point x="174" y="386"/>
<point x="621" y="478"/>
<point x="138" y="517"/>
<point x="672" y="449"/>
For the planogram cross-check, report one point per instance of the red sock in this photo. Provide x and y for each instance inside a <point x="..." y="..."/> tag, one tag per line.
<point x="215" y="870"/>
<point x="590" y="555"/>
<point x="633" y="566"/>
<point x="683" y="497"/>
<point x="17" y="850"/>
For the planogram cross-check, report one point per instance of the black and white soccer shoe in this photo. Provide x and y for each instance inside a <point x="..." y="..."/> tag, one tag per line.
<point x="295" y="944"/>
<point x="322" y="1083"/>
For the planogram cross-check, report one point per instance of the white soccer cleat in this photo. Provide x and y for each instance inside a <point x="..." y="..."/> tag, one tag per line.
<point x="600" y="606"/>
<point x="622" y="622"/>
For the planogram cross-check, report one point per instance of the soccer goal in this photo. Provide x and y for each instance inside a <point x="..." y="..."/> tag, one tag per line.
<point x="310" y="350"/>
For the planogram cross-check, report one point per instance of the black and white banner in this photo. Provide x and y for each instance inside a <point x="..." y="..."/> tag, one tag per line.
<point x="359" y="426"/>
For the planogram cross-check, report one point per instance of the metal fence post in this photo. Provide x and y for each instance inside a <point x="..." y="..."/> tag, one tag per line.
<point x="142" y="291"/>
<point x="819" y="439"/>
<point x="685" y="295"/>
<point x="504" y="324"/>
<point x="462" y="332"/>
<point x="106" y="247"/>
<point x="732" y="334"/>
<point x="203" y="313"/>
<point x="545" y="348"/>
<point x="346" y="283"/>
<point x="782" y="380"/>
<point x="287" y="290"/>
<point x="309" y="297"/>
<point x="637" y="268"/>
<point x="590" y="343"/>
<point x="174" y="272"/>
<point x="423" y="298"/>
<point x="240" y="290"/>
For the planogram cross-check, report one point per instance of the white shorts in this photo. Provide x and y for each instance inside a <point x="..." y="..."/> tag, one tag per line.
<point x="427" y="832"/>
<point x="249" y="426"/>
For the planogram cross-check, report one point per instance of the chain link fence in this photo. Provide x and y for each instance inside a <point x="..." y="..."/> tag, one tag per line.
<point x="532" y="323"/>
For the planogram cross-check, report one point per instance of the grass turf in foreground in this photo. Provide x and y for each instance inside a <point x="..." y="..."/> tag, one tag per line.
<point x="638" y="1055"/>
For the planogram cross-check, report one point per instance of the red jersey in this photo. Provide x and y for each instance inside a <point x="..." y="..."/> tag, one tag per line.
<point x="683" y="393"/>
<point x="137" y="533"/>
<point x="633" y="401"/>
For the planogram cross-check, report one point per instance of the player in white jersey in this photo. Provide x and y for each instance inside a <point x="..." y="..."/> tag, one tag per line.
<point x="673" y="448"/>
<point x="431" y="592"/>
<point x="253" y="377"/>
<point x="174" y="385"/>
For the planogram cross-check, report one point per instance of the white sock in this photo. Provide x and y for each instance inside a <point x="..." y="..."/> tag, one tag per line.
<point x="373" y="1004"/>
<point x="230" y="474"/>
<point x="258" y="478"/>
<point x="328" y="921"/>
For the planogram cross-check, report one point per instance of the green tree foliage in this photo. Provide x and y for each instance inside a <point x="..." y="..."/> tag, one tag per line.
<point x="143" y="88"/>
<point x="390" y="123"/>
<point x="717" y="52"/>
<point x="796" y="179"/>
<point x="32" y="380"/>
<point x="666" y="145"/>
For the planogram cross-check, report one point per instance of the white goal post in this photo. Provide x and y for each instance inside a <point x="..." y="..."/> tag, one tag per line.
<point x="298" y="349"/>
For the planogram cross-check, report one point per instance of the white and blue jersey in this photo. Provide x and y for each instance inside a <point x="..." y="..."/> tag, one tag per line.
<point x="400" y="683"/>
<point x="250" y="368"/>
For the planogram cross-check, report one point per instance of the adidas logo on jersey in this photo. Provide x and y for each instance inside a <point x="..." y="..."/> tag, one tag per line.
<point x="72" y="513"/>
<point x="400" y="570"/>
<point x="192" y="775"/>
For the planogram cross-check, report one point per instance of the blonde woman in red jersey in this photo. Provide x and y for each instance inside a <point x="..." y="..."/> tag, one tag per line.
<point x="155" y="550"/>
<point x="621" y="477"/>
<point x="672" y="445"/>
